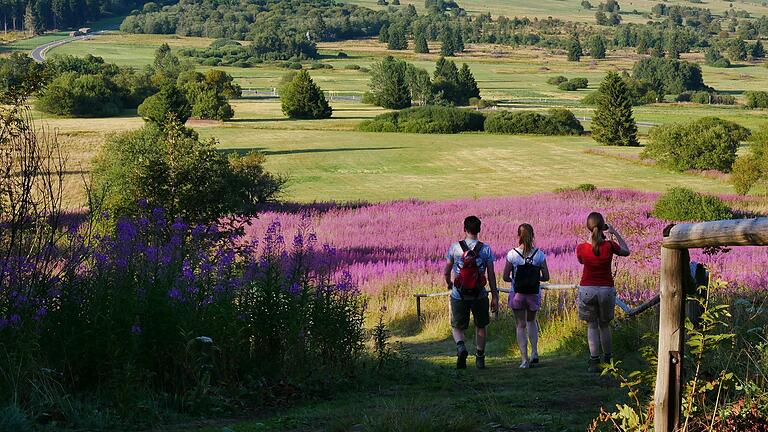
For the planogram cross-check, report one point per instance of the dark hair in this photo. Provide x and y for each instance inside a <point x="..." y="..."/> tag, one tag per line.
<point x="472" y="225"/>
<point x="525" y="234"/>
<point x="596" y="225"/>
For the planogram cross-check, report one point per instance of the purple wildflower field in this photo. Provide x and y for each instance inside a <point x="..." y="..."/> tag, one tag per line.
<point x="403" y="243"/>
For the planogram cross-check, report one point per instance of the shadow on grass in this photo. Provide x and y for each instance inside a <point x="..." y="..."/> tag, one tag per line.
<point x="244" y="151"/>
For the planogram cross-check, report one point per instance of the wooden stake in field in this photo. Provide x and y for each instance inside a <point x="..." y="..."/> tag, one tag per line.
<point x="676" y="282"/>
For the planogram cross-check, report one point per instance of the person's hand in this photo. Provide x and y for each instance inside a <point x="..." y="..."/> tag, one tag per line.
<point x="495" y="303"/>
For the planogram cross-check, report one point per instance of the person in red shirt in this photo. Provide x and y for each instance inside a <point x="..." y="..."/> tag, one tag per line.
<point x="597" y="292"/>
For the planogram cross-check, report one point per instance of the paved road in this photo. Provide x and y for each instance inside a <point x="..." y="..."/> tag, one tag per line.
<point x="38" y="54"/>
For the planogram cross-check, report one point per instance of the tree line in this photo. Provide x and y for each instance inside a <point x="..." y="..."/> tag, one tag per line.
<point x="37" y="16"/>
<point x="284" y="29"/>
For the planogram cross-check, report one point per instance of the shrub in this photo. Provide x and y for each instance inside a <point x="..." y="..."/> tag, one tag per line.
<point x="706" y="98"/>
<point x="706" y="143"/>
<point x="352" y="67"/>
<point x="574" y="84"/>
<point x="14" y="419"/>
<point x="752" y="168"/>
<point x="757" y="99"/>
<point x="586" y="187"/>
<point x="76" y="95"/>
<point x="557" y="122"/>
<point x="429" y="119"/>
<point x="170" y="100"/>
<point x="211" y="61"/>
<point x="173" y="169"/>
<point x="684" y="205"/>
<point x="557" y="80"/>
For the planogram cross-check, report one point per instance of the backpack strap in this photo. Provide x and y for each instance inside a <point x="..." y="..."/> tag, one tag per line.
<point x="478" y="248"/>
<point x="526" y="259"/>
<point x="463" y="245"/>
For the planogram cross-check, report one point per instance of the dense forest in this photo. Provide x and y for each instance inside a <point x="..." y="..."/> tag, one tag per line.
<point x="37" y="16"/>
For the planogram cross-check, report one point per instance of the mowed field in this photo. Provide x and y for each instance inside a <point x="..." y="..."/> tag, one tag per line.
<point x="329" y="160"/>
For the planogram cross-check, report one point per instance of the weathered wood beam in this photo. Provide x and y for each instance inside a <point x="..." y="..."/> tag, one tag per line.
<point x="736" y="232"/>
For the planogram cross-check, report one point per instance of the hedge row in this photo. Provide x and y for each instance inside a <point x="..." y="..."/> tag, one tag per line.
<point x="449" y="120"/>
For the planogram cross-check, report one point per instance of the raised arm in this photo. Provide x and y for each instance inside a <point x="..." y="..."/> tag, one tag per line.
<point x="624" y="249"/>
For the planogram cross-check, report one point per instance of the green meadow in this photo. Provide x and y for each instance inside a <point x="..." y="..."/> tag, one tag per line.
<point x="330" y="160"/>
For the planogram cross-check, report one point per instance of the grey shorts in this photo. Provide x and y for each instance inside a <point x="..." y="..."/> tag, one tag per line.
<point x="460" y="310"/>
<point x="597" y="303"/>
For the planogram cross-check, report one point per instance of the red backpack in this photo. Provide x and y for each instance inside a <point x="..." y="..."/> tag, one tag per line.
<point x="470" y="279"/>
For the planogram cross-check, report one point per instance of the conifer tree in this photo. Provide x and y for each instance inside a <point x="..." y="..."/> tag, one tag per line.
<point x="467" y="85"/>
<point x="421" y="46"/>
<point x="448" y="41"/>
<point x="574" y="49"/>
<point x="384" y="34"/>
<point x="458" y="43"/>
<point x="397" y="38"/>
<point x="613" y="122"/>
<point x="389" y="84"/>
<point x="597" y="47"/>
<point x="302" y="99"/>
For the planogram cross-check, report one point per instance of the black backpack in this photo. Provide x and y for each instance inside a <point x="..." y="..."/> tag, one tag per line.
<point x="527" y="276"/>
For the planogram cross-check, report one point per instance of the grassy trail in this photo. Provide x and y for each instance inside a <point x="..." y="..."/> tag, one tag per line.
<point x="426" y="393"/>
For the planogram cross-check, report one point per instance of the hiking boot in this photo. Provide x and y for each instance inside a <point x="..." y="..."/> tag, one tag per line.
<point x="606" y="358"/>
<point x="526" y="365"/>
<point x="461" y="357"/>
<point x="594" y="366"/>
<point x="480" y="361"/>
<point x="535" y="360"/>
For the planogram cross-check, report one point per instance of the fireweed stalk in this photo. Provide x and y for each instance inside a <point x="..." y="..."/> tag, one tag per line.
<point x="143" y="296"/>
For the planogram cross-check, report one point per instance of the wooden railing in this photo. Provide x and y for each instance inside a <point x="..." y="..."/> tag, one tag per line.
<point x="629" y="312"/>
<point x="676" y="281"/>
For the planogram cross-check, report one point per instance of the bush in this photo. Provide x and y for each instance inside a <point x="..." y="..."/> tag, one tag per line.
<point x="352" y="67"/>
<point x="170" y="100"/>
<point x="557" y="80"/>
<point x="706" y="143"/>
<point x="76" y="95"/>
<point x="429" y="119"/>
<point x="574" y="84"/>
<point x="13" y="419"/>
<point x="706" y="98"/>
<point x="757" y="99"/>
<point x="684" y="205"/>
<point x="173" y="169"/>
<point x="557" y="122"/>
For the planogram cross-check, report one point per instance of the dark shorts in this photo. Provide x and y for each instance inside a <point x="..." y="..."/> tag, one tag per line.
<point x="460" y="310"/>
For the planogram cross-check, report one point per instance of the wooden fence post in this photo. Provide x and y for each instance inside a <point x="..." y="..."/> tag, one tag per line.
<point x="675" y="272"/>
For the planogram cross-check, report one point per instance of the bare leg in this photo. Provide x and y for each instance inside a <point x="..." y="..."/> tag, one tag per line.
<point x="533" y="333"/>
<point x="606" y="338"/>
<point x="458" y="335"/>
<point x="522" y="334"/>
<point x="480" y="335"/>
<point x="593" y="338"/>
